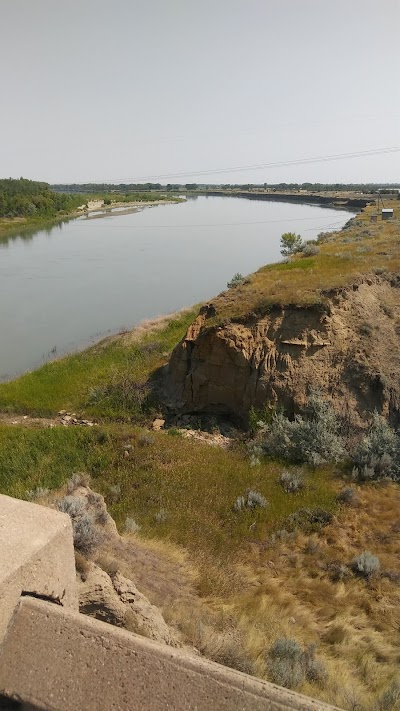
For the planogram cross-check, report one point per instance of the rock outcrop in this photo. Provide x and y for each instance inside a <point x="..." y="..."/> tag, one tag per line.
<point x="348" y="347"/>
<point x="116" y="600"/>
<point x="105" y="593"/>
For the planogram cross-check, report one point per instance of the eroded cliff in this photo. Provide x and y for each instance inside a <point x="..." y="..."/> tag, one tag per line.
<point x="347" y="346"/>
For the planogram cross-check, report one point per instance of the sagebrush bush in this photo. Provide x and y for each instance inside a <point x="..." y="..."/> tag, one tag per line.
<point x="314" y="439"/>
<point x="290" y="482"/>
<point x="161" y="516"/>
<point x="145" y="439"/>
<point x="74" y="506"/>
<point x="131" y="526"/>
<point x="290" y="665"/>
<point x="86" y="535"/>
<point x="366" y="564"/>
<point x="310" y="249"/>
<point x="378" y="454"/>
<point x="251" y="500"/>
<point x="76" y="480"/>
<point x="39" y="493"/>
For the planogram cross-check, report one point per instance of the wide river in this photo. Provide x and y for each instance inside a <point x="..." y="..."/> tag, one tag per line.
<point x="64" y="287"/>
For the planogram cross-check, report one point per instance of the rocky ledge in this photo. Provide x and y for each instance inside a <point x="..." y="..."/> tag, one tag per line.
<point x="348" y="347"/>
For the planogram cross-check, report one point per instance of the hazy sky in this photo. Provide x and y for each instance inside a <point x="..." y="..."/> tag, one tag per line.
<point x="100" y="90"/>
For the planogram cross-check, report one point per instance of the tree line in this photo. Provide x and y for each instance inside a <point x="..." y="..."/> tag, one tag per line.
<point x="30" y="198"/>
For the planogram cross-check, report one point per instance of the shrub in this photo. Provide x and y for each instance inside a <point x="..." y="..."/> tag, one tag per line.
<point x="310" y="250"/>
<point x="123" y="391"/>
<point x="285" y="663"/>
<point x="236" y="280"/>
<point x="86" y="535"/>
<point x="337" y="571"/>
<point x="290" y="244"/>
<point x="161" y="516"/>
<point x="312" y="547"/>
<point x="291" y="483"/>
<point x="366" y="564"/>
<point x="74" y="506"/>
<point x="314" y="439"/>
<point x="348" y="497"/>
<point x="115" y="492"/>
<point x="252" y="500"/>
<point x="378" y="454"/>
<point x="145" y="439"/>
<point x="76" y="480"/>
<point x="289" y="664"/>
<point x="39" y="493"/>
<point x="131" y="526"/>
<point x="308" y="520"/>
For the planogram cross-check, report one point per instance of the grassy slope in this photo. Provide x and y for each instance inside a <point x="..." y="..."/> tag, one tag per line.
<point x="77" y="382"/>
<point x="253" y="588"/>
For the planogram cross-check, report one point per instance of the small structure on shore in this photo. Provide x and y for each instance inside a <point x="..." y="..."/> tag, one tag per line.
<point x="387" y="213"/>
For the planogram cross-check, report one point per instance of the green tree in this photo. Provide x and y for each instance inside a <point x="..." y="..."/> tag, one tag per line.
<point x="290" y="244"/>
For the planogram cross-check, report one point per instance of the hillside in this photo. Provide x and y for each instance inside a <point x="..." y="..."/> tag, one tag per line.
<point x="244" y="552"/>
<point x="328" y="321"/>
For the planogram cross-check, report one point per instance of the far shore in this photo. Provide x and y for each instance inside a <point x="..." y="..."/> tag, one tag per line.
<point x="13" y="226"/>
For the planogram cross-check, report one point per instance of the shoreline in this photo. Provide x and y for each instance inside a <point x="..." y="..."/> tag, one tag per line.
<point x="20" y="225"/>
<point x="342" y="201"/>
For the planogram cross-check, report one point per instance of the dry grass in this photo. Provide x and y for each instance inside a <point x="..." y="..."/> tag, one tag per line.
<point x="233" y="610"/>
<point x="344" y="257"/>
<point x="354" y="623"/>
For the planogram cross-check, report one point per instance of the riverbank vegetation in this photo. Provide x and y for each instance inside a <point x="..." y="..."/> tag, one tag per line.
<point x="111" y="380"/>
<point x="28" y="203"/>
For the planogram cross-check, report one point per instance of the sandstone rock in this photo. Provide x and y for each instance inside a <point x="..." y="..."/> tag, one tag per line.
<point x="118" y="601"/>
<point x="158" y="424"/>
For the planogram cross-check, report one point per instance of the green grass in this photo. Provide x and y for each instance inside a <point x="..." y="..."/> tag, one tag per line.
<point x="194" y="484"/>
<point x="96" y="382"/>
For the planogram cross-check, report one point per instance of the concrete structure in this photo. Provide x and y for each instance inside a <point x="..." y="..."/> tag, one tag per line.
<point x="54" y="659"/>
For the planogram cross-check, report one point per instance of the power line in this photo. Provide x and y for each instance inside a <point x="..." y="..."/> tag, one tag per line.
<point x="225" y="224"/>
<point x="258" y="166"/>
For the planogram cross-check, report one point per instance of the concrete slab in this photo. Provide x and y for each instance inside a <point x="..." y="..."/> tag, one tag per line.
<point x="62" y="661"/>
<point x="37" y="556"/>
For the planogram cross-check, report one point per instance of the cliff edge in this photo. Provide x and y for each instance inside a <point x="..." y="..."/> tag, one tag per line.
<point x="345" y="341"/>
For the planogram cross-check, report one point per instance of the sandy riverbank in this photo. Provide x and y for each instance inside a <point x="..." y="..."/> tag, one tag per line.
<point x="120" y="208"/>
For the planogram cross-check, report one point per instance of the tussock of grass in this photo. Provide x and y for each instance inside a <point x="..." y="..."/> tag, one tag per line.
<point x="77" y="381"/>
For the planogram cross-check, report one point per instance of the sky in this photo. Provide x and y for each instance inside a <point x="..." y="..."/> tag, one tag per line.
<point x="175" y="90"/>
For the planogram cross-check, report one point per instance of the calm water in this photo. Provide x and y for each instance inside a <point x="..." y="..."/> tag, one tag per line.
<point x="62" y="288"/>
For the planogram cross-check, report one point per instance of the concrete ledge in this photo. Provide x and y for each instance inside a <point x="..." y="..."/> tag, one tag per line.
<point x="37" y="556"/>
<point x="62" y="661"/>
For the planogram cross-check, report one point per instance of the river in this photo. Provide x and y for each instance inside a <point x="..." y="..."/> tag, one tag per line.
<point x="64" y="287"/>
